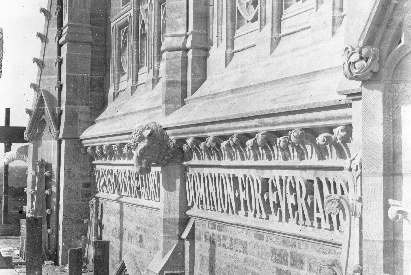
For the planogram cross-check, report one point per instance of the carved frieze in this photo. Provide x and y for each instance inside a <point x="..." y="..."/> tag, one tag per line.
<point x="286" y="197"/>
<point x="150" y="144"/>
<point x="127" y="182"/>
<point x="360" y="62"/>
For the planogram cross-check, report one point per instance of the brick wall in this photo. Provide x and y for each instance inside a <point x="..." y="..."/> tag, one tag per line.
<point x="226" y="249"/>
<point x="133" y="233"/>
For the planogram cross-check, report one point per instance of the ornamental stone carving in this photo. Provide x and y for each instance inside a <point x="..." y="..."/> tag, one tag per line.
<point x="19" y="154"/>
<point x="360" y="63"/>
<point x="151" y="144"/>
<point x="398" y="211"/>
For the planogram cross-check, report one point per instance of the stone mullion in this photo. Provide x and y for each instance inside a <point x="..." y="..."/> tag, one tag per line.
<point x="230" y="15"/>
<point x="197" y="43"/>
<point x="277" y="12"/>
<point x="135" y="43"/>
<point x="116" y="60"/>
<point x="156" y="42"/>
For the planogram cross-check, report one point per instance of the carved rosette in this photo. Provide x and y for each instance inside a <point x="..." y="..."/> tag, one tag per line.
<point x="360" y="63"/>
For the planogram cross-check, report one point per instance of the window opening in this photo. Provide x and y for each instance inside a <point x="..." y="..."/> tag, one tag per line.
<point x="247" y="12"/>
<point x="143" y="40"/>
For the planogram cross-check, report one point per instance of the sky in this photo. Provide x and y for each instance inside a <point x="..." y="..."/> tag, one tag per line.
<point x="20" y="21"/>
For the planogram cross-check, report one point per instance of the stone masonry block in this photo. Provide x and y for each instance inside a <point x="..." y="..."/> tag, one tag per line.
<point x="279" y="256"/>
<point x="297" y="260"/>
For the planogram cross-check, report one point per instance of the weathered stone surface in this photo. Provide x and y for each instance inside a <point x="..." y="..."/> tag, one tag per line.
<point x="267" y="254"/>
<point x="134" y="237"/>
<point x="34" y="245"/>
<point x="75" y="261"/>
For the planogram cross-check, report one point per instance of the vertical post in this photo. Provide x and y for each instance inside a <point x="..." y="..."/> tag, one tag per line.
<point x="34" y="246"/>
<point x="75" y="261"/>
<point x="5" y="201"/>
<point x="101" y="257"/>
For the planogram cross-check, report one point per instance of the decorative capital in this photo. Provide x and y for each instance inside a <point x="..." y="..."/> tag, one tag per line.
<point x="360" y="63"/>
<point x="151" y="144"/>
<point x="398" y="211"/>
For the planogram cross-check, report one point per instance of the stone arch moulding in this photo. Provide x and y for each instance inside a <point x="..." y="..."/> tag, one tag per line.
<point x="403" y="48"/>
<point x="21" y="153"/>
<point x="42" y="110"/>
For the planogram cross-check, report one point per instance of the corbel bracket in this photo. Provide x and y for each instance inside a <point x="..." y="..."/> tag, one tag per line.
<point x="38" y="62"/>
<point x="42" y="37"/>
<point x="46" y="12"/>
<point x="398" y="211"/>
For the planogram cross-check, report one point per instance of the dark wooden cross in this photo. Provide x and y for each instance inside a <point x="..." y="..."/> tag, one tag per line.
<point x="8" y="135"/>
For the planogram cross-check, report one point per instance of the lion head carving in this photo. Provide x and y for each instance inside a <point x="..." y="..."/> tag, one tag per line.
<point x="151" y="144"/>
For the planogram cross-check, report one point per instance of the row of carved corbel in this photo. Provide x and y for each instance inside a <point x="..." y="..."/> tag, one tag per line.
<point x="110" y="152"/>
<point x="297" y="145"/>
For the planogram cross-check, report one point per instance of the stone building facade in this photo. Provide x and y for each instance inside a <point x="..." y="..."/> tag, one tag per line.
<point x="225" y="136"/>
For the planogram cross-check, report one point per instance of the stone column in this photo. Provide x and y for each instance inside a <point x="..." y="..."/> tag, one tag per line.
<point x="82" y="76"/>
<point x="377" y="240"/>
<point x="174" y="218"/>
<point x="34" y="246"/>
<point x="175" y="56"/>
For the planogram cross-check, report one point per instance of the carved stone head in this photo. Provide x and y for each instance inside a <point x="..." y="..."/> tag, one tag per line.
<point x="151" y="144"/>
